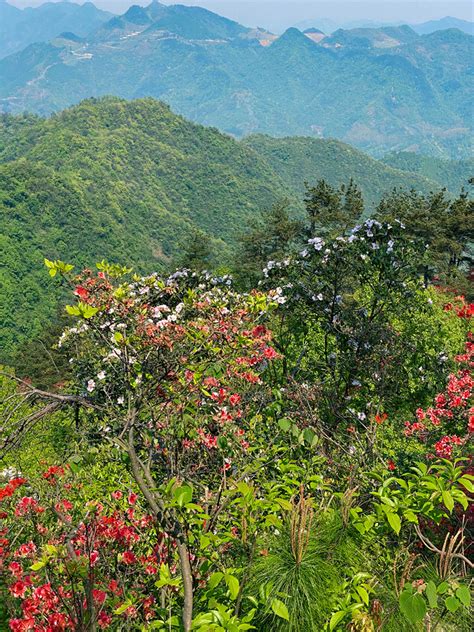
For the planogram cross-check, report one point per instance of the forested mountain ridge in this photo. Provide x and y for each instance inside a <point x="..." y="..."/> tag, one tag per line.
<point x="382" y="90"/>
<point x="131" y="180"/>
<point x="297" y="159"/>
<point x="452" y="174"/>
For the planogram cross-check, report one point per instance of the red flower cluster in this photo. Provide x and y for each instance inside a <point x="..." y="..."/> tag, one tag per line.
<point x="109" y="558"/>
<point x="453" y="409"/>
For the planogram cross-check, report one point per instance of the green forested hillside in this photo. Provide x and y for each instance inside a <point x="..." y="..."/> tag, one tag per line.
<point x="126" y="181"/>
<point x="300" y="159"/>
<point x="131" y="181"/>
<point x="452" y="174"/>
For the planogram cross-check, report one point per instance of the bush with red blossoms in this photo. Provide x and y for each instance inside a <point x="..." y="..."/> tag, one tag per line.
<point x="447" y="427"/>
<point x="67" y="563"/>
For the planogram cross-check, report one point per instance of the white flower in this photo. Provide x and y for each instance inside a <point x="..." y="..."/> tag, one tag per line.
<point x="101" y="375"/>
<point x="317" y="242"/>
<point x="120" y="400"/>
<point x="90" y="386"/>
<point x="361" y="416"/>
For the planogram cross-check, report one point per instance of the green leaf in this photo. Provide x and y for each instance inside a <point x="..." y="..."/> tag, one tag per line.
<point x="452" y="604"/>
<point x="88" y="311"/>
<point x="37" y="566"/>
<point x="465" y="482"/>
<point x="464" y="595"/>
<point x="215" y="579"/>
<point x="363" y="594"/>
<point x="442" y="588"/>
<point x="336" y="618"/>
<point x="73" y="310"/>
<point x="183" y="495"/>
<point x="118" y="336"/>
<point x="121" y="609"/>
<point x="280" y="609"/>
<point x="431" y="594"/>
<point x="413" y="606"/>
<point x="233" y="585"/>
<point x="285" y="424"/>
<point x="394" y="521"/>
<point x="448" y="501"/>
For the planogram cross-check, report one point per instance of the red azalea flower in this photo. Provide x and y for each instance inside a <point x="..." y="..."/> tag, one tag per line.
<point x="129" y="557"/>
<point x="81" y="292"/>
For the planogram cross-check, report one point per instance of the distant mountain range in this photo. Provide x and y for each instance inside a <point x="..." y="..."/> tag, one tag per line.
<point x="21" y="27"/>
<point x="381" y="89"/>
<point x="424" y="28"/>
<point x="130" y="180"/>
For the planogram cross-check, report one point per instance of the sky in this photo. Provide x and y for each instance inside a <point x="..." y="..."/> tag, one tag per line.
<point x="277" y="15"/>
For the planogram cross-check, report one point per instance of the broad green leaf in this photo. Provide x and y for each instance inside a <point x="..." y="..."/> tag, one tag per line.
<point x="183" y="495"/>
<point x="464" y="595"/>
<point x="336" y="618"/>
<point x="448" y="501"/>
<point x="37" y="566"/>
<point x="73" y="310"/>
<point x="285" y="424"/>
<point x="465" y="482"/>
<point x="280" y="609"/>
<point x="413" y="606"/>
<point x="442" y="588"/>
<point x="233" y="585"/>
<point x="452" y="604"/>
<point x="214" y="579"/>
<point x="431" y="594"/>
<point x="364" y="595"/>
<point x="394" y="521"/>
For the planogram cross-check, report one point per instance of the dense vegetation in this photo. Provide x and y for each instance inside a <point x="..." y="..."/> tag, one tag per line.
<point x="111" y="177"/>
<point x="292" y="458"/>
<point x="452" y="174"/>
<point x="382" y="90"/>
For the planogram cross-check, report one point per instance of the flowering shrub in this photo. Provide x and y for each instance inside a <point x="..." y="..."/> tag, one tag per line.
<point x="169" y="370"/>
<point x="212" y="430"/>
<point x="350" y="309"/>
<point x="69" y="565"/>
<point x="448" y="425"/>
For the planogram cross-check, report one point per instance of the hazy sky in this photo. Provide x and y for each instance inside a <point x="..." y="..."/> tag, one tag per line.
<point x="279" y="14"/>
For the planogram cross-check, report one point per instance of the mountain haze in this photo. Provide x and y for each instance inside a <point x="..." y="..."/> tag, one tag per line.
<point x="19" y="28"/>
<point x="380" y="89"/>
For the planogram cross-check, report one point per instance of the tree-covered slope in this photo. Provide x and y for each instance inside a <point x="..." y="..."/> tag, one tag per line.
<point x="452" y="174"/>
<point x="127" y="181"/>
<point x="131" y="181"/>
<point x="300" y="159"/>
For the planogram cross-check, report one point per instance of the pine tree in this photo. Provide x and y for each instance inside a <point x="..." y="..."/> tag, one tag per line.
<point x="331" y="212"/>
<point x="323" y="208"/>
<point x="353" y="205"/>
<point x="271" y="236"/>
<point x="196" y="253"/>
